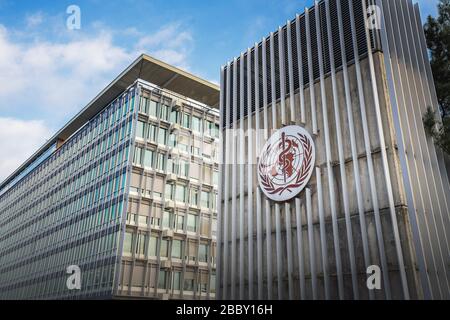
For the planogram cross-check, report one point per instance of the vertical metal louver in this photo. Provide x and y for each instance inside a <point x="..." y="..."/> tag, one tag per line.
<point x="295" y="54"/>
<point x="323" y="32"/>
<point x="252" y="80"/>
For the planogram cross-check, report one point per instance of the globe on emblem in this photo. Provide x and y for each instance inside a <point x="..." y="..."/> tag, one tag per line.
<point x="286" y="163"/>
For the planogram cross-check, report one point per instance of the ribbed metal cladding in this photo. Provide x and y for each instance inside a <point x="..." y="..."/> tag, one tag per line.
<point x="379" y="194"/>
<point x="362" y="48"/>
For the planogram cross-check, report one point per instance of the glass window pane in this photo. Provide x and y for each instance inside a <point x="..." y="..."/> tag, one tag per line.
<point x="203" y="253"/>
<point x="162" y="136"/>
<point x="148" y="158"/>
<point x="177" y="280"/>
<point x="176" y="249"/>
<point x="162" y="279"/>
<point x="153" y="108"/>
<point x="140" y="130"/>
<point x="205" y="199"/>
<point x="196" y="124"/>
<point x="164" y="248"/>
<point x="128" y="241"/>
<point x="152" y="246"/>
<point x="192" y="223"/>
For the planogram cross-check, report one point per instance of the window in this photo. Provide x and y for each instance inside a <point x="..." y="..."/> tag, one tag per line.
<point x="161" y="161"/>
<point x="152" y="246"/>
<point x="165" y="112"/>
<point x="194" y="197"/>
<point x="162" y="136"/>
<point x="153" y="108"/>
<point x="212" y="283"/>
<point x="137" y="156"/>
<point x="203" y="253"/>
<point x="177" y="280"/>
<point x="176" y="249"/>
<point x="169" y="191"/>
<point x="164" y="248"/>
<point x="166" y="219"/>
<point x="196" y="146"/>
<point x="162" y="280"/>
<point x="208" y="127"/>
<point x="186" y="121"/>
<point x="175" y="116"/>
<point x="191" y="223"/>
<point x="171" y="165"/>
<point x="215" y="178"/>
<point x="196" y="124"/>
<point x="212" y="129"/>
<point x="189" y="284"/>
<point x="172" y="140"/>
<point x="205" y="199"/>
<point x="152" y="132"/>
<point x="128" y="242"/>
<point x="183" y="168"/>
<point x="140" y="130"/>
<point x="207" y="174"/>
<point x="140" y="245"/>
<point x="180" y="194"/>
<point x="144" y="105"/>
<point x="148" y="158"/>
<point x="180" y="222"/>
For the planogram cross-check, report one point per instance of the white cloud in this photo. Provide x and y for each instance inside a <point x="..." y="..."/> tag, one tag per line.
<point x="58" y="77"/>
<point x="53" y="80"/>
<point x="61" y="77"/>
<point x="34" y="19"/>
<point x="19" y="140"/>
<point x="172" y="44"/>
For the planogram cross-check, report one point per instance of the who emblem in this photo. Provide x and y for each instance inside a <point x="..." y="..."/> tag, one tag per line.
<point x="286" y="163"/>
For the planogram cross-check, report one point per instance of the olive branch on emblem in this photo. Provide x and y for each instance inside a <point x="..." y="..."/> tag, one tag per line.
<point x="302" y="176"/>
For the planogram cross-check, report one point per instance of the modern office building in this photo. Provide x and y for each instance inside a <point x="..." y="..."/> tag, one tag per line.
<point x="126" y="191"/>
<point x="348" y="87"/>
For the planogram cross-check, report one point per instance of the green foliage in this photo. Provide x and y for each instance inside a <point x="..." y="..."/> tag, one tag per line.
<point x="437" y="31"/>
<point x="440" y="132"/>
<point x="429" y="123"/>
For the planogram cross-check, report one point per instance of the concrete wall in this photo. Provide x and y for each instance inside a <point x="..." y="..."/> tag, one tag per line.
<point x="327" y="226"/>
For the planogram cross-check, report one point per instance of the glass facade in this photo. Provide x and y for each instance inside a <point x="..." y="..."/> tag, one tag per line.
<point x="117" y="200"/>
<point x="172" y="201"/>
<point x="67" y="210"/>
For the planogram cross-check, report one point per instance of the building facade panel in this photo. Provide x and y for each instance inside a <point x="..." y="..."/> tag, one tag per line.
<point x="129" y="198"/>
<point x="171" y="219"/>
<point x="67" y="211"/>
<point x="357" y="209"/>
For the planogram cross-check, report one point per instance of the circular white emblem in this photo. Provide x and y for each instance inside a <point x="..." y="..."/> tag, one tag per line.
<point x="286" y="163"/>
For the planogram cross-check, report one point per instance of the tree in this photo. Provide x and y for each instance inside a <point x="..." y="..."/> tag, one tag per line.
<point x="437" y="31"/>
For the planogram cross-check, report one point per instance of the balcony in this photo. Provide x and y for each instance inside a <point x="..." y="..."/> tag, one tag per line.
<point x="168" y="233"/>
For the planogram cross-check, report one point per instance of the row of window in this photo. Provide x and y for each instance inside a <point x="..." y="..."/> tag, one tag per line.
<point x="142" y="244"/>
<point x="176" y="140"/>
<point x="152" y="159"/>
<point x="172" y="280"/>
<point x="167" y="113"/>
<point x="56" y="197"/>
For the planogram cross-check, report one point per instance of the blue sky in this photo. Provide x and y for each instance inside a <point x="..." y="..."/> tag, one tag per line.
<point x="48" y="73"/>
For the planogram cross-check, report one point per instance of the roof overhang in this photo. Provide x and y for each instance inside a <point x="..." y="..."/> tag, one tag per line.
<point x="148" y="69"/>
